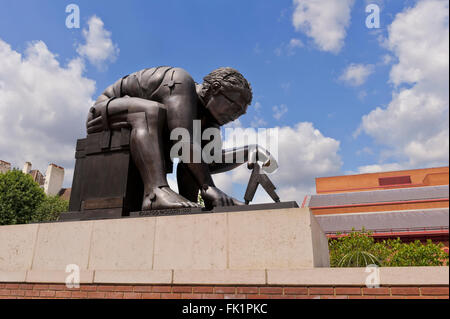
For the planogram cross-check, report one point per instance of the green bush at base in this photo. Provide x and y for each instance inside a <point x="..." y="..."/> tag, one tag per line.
<point x="358" y="249"/>
<point x="23" y="201"/>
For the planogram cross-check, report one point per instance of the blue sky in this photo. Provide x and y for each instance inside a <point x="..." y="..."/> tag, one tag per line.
<point x="286" y="61"/>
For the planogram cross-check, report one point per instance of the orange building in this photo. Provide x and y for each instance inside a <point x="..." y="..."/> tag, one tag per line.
<point x="410" y="204"/>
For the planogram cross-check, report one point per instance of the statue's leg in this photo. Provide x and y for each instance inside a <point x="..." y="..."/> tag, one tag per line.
<point x="187" y="185"/>
<point x="147" y="120"/>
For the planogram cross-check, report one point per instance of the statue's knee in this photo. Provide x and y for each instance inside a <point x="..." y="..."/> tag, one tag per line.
<point x="155" y="111"/>
<point x="139" y="133"/>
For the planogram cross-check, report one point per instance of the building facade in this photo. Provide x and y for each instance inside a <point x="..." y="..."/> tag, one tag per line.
<point x="410" y="204"/>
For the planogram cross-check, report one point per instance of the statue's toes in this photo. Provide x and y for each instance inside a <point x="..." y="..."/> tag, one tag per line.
<point x="146" y="204"/>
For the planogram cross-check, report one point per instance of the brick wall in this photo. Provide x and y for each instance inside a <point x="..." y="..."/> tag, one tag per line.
<point x="39" y="291"/>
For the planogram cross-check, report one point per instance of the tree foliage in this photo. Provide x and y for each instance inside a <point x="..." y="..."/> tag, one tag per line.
<point x="359" y="249"/>
<point x="19" y="197"/>
<point x="49" y="209"/>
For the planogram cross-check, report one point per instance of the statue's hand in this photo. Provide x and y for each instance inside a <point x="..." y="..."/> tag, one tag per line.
<point x="215" y="197"/>
<point x="260" y="154"/>
<point x="94" y="121"/>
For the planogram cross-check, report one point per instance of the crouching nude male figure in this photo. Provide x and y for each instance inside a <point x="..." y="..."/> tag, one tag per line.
<point x="154" y="101"/>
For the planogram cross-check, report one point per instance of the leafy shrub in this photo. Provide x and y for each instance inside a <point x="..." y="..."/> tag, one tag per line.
<point x="19" y="197"/>
<point x="49" y="209"/>
<point x="358" y="249"/>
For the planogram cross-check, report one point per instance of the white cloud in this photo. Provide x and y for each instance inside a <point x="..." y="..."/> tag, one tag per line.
<point x="303" y="154"/>
<point x="279" y="111"/>
<point x="356" y="74"/>
<point x="258" y="121"/>
<point x="43" y="106"/>
<point x="326" y="21"/>
<point x="414" y="127"/>
<point x="376" y="168"/>
<point x="99" y="47"/>
<point x="295" y="43"/>
<point x="290" y="48"/>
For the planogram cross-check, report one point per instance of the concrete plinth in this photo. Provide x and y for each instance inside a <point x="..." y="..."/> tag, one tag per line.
<point x="154" y="247"/>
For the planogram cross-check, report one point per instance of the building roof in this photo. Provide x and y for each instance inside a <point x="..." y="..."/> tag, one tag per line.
<point x="380" y="196"/>
<point x="383" y="180"/>
<point x="64" y="193"/>
<point x="406" y="220"/>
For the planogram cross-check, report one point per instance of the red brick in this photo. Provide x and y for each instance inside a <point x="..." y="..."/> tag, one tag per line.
<point x="183" y="289"/>
<point x="224" y="290"/>
<point x="151" y="296"/>
<point x="12" y="286"/>
<point x="170" y="296"/>
<point x="441" y="297"/>
<point x="191" y="296"/>
<point x="32" y="293"/>
<point x="361" y="297"/>
<point x="18" y="292"/>
<point x="88" y="287"/>
<point x="203" y="289"/>
<point x="321" y="291"/>
<point x="420" y="297"/>
<point x="435" y="291"/>
<point x="258" y="296"/>
<point x="132" y="295"/>
<point x="390" y="297"/>
<point x="247" y="290"/>
<point x="79" y="294"/>
<point x="57" y="287"/>
<point x="24" y="286"/>
<point x="142" y="288"/>
<point x="307" y="297"/>
<point x="40" y="287"/>
<point x="123" y="288"/>
<point x="2" y="286"/>
<point x="8" y="297"/>
<point x="233" y="296"/>
<point x="271" y="290"/>
<point x="405" y="291"/>
<point x="113" y="295"/>
<point x="63" y="294"/>
<point x="108" y="288"/>
<point x="161" y="289"/>
<point x="333" y="297"/>
<point x="296" y="291"/>
<point x="283" y="297"/>
<point x="47" y="293"/>
<point x="348" y="291"/>
<point x="5" y="292"/>
<point x="96" y="294"/>
<point x="376" y="291"/>
<point x="213" y="296"/>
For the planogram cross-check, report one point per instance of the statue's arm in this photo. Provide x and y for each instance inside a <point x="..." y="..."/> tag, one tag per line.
<point x="235" y="157"/>
<point x="231" y="159"/>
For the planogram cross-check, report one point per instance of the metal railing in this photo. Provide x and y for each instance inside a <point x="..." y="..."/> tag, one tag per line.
<point x="391" y="230"/>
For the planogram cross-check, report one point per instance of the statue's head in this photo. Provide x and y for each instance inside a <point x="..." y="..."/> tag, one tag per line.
<point x="227" y="94"/>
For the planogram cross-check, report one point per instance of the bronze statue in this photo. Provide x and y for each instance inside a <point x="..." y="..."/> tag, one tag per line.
<point x="153" y="102"/>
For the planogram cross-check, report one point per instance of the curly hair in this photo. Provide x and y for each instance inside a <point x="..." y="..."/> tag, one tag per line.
<point x="230" y="78"/>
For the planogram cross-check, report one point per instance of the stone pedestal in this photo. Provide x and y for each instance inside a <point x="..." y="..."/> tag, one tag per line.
<point x="106" y="182"/>
<point x="154" y="247"/>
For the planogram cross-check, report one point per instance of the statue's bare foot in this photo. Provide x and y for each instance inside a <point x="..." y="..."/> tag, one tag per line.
<point x="165" y="198"/>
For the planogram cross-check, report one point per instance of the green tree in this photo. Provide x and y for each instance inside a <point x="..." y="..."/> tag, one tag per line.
<point x="49" y="209"/>
<point x="414" y="254"/>
<point x="19" y="197"/>
<point x="359" y="249"/>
